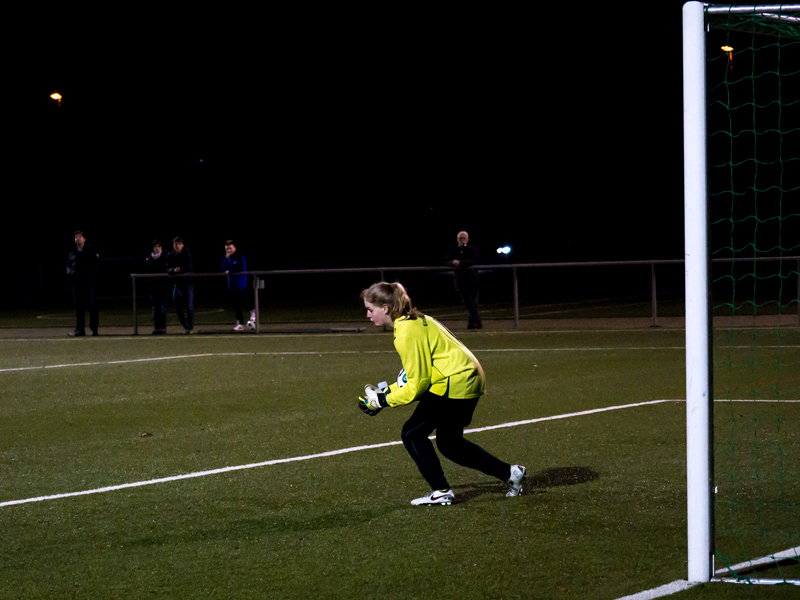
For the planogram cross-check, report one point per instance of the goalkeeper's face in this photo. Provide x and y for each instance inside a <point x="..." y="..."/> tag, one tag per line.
<point x="379" y="315"/>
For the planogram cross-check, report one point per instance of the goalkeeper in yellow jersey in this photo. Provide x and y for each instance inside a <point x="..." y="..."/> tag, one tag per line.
<point x="445" y="378"/>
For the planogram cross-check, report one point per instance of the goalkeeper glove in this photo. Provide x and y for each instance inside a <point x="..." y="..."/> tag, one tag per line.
<point x="373" y="401"/>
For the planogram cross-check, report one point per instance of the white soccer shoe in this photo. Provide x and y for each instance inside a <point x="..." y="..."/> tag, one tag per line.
<point x="443" y="497"/>
<point x="514" y="484"/>
<point x="238" y="327"/>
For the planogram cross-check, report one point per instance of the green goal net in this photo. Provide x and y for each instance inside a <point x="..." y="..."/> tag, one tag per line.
<point x="753" y="149"/>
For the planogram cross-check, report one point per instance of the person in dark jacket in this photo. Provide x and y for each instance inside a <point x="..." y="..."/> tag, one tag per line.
<point x="463" y="257"/>
<point x="158" y="287"/>
<point x="82" y="269"/>
<point x="179" y="262"/>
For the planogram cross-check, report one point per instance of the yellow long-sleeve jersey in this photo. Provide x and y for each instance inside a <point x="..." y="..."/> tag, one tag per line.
<point x="434" y="360"/>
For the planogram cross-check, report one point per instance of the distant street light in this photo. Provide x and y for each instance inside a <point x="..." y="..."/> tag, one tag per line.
<point x="504" y="250"/>
<point x="729" y="51"/>
<point x="57" y="97"/>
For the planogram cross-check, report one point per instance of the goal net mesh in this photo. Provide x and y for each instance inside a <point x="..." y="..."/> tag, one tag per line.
<point x="753" y="91"/>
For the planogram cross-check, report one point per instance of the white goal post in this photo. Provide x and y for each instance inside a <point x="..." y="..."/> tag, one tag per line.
<point x="699" y="394"/>
<point x="698" y="339"/>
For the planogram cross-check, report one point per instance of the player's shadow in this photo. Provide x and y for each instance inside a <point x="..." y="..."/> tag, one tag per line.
<point x="535" y="483"/>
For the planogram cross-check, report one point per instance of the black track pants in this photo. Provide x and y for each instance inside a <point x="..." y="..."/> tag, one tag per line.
<point x="448" y="417"/>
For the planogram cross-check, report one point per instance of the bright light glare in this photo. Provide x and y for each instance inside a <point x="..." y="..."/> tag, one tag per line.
<point x="504" y="250"/>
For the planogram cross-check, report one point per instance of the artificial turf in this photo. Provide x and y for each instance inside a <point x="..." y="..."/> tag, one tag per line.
<point x="603" y="514"/>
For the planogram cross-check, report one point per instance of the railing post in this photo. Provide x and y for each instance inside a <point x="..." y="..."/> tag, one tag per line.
<point x="135" y="313"/>
<point x="516" y="298"/>
<point x="653" y="294"/>
<point x="256" y="282"/>
<point x="798" y="291"/>
<point x="382" y="274"/>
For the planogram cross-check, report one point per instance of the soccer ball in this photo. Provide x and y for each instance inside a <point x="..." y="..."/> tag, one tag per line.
<point x="401" y="378"/>
<point x="251" y="324"/>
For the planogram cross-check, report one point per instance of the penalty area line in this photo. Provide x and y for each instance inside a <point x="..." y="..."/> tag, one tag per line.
<point x="736" y="570"/>
<point x="135" y="484"/>
<point x="123" y="486"/>
<point x="569" y="415"/>
<point x="279" y="461"/>
<point x="661" y="591"/>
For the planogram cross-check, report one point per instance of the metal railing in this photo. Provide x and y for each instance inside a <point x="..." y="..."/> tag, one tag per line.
<point x="258" y="277"/>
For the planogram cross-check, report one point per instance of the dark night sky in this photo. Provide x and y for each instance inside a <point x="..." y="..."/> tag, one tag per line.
<point x="355" y="139"/>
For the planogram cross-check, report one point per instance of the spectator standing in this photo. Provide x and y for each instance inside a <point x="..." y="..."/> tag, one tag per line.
<point x="82" y="270"/>
<point x="463" y="257"/>
<point x="234" y="264"/>
<point x="158" y="287"/>
<point x="179" y="262"/>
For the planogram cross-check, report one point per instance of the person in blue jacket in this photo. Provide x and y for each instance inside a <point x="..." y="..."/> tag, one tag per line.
<point x="234" y="264"/>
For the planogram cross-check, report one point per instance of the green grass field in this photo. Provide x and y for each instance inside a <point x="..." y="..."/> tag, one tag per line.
<point x="603" y="514"/>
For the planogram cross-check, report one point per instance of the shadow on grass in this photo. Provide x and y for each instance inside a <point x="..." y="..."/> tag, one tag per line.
<point x="276" y="524"/>
<point x="262" y="528"/>
<point x="560" y="477"/>
<point x="535" y="483"/>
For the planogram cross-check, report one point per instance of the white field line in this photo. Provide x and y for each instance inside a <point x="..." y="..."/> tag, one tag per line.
<point x="267" y="463"/>
<point x="109" y="362"/>
<point x="664" y="590"/>
<point x="334" y="453"/>
<point x="682" y="584"/>
<point x="483" y="332"/>
<point x="750" y="565"/>
<point x="341" y="352"/>
<point x="221" y="354"/>
<point x="309" y="456"/>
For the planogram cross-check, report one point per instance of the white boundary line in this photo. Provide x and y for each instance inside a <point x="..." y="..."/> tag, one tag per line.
<point x="186" y="356"/>
<point x="682" y="585"/>
<point x="340" y="352"/>
<point x="337" y="452"/>
<point x="310" y="456"/>
<point x="749" y="565"/>
<point x="267" y="463"/>
<point x="664" y="590"/>
<point x="663" y="328"/>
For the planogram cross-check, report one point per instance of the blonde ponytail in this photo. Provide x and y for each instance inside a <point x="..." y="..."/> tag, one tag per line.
<point x="393" y="295"/>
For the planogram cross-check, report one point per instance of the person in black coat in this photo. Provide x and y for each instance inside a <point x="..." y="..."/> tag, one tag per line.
<point x="463" y="257"/>
<point x="158" y="287"/>
<point x="82" y="269"/>
<point x="179" y="262"/>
